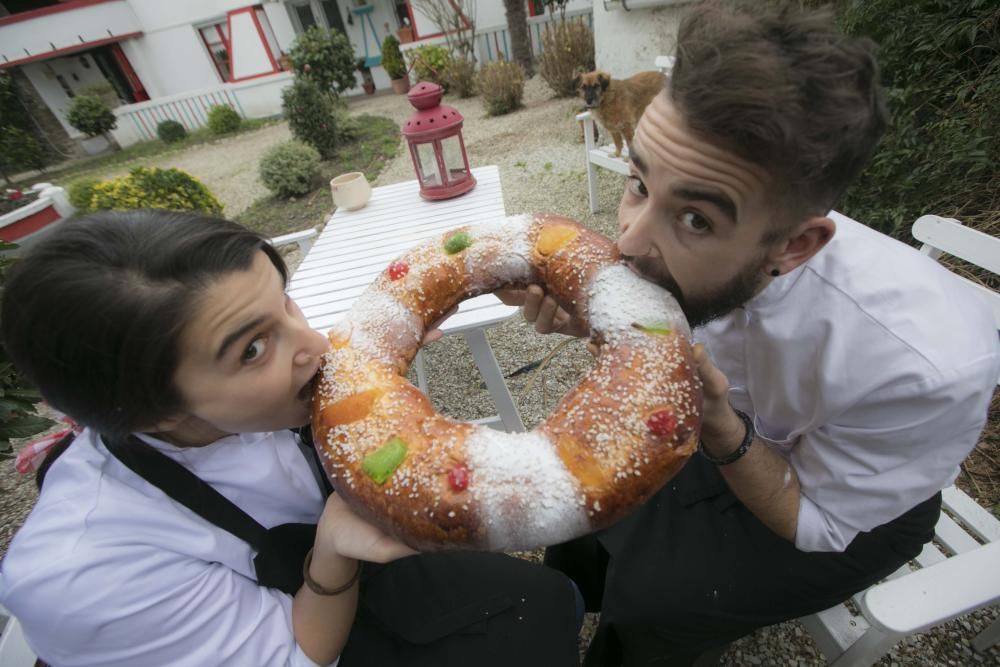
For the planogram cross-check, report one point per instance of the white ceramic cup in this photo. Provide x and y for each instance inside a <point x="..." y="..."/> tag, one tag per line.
<point x="350" y="191"/>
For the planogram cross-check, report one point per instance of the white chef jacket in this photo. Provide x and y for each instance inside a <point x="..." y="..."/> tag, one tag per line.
<point x="869" y="368"/>
<point x="107" y="571"/>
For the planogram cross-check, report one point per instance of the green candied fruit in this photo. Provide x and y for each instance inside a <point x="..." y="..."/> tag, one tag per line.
<point x="659" y="329"/>
<point x="380" y="464"/>
<point x="457" y="242"/>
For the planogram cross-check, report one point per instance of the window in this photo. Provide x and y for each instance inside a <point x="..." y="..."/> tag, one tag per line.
<point x="216" y="39"/>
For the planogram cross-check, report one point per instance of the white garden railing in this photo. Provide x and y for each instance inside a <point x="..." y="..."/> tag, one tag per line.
<point x="257" y="98"/>
<point x="494" y="43"/>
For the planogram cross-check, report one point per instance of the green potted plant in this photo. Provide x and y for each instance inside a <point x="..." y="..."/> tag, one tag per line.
<point x="394" y="65"/>
<point x="367" y="82"/>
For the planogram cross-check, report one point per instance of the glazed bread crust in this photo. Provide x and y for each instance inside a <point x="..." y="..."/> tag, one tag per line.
<point x="437" y="483"/>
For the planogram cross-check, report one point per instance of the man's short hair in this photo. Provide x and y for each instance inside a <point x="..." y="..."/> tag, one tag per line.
<point x="783" y="89"/>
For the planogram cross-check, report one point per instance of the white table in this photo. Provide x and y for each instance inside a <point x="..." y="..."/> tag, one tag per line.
<point x="355" y="246"/>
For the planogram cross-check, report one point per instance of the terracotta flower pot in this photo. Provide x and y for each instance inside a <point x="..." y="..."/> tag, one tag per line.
<point x="401" y="86"/>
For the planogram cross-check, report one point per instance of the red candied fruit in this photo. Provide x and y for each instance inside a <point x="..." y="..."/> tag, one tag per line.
<point x="662" y="423"/>
<point x="398" y="269"/>
<point x="458" y="477"/>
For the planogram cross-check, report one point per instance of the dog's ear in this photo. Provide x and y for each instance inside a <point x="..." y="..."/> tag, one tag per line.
<point x="604" y="79"/>
<point x="576" y="81"/>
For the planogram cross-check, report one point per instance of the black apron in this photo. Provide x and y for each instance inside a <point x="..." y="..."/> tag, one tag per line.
<point x="433" y="610"/>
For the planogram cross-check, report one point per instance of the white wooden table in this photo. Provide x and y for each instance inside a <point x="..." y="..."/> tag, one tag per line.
<point x="355" y="246"/>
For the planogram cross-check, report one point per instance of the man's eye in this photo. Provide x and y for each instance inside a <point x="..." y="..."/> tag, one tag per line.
<point x="254" y="350"/>
<point x="695" y="222"/>
<point x="637" y="187"/>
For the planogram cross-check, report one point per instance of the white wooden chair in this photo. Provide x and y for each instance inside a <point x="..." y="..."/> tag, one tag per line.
<point x="959" y="571"/>
<point x="604" y="156"/>
<point x="304" y="240"/>
<point x="14" y="649"/>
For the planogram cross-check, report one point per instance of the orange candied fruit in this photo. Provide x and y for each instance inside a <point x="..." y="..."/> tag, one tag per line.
<point x="554" y="237"/>
<point x="350" y="409"/>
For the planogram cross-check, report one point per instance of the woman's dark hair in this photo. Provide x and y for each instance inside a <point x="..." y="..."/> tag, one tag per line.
<point x="781" y="88"/>
<point x="93" y="314"/>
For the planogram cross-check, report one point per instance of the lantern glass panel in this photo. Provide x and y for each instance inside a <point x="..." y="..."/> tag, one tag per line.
<point x="454" y="162"/>
<point x="427" y="163"/>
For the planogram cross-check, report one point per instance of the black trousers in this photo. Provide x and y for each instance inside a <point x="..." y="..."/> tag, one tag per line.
<point x="693" y="569"/>
<point x="463" y="610"/>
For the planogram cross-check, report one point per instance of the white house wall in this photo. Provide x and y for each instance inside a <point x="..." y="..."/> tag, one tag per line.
<point x="626" y="42"/>
<point x="68" y="29"/>
<point x="43" y="77"/>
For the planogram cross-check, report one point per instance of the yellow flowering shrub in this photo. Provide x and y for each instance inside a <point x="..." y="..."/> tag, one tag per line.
<point x="145" y="187"/>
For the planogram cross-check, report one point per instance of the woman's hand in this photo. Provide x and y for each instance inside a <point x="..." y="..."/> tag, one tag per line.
<point x="544" y="311"/>
<point x="433" y="332"/>
<point x="343" y="532"/>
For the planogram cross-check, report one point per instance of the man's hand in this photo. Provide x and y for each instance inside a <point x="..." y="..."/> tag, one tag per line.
<point x="544" y="311"/>
<point x="720" y="425"/>
<point x="761" y="479"/>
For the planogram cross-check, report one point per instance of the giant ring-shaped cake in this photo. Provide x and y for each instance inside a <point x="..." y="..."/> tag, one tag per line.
<point x="437" y="483"/>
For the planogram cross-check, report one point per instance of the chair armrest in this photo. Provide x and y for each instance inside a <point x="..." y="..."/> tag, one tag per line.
<point x="303" y="239"/>
<point x="932" y="595"/>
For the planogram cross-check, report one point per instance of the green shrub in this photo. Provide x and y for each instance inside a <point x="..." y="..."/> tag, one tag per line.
<point x="941" y="154"/>
<point x="392" y="58"/>
<point x="18" y="418"/>
<point x="91" y="115"/>
<point x="310" y="115"/>
<point x="19" y="151"/>
<point x="430" y="63"/>
<point x="170" y="131"/>
<point x="501" y="85"/>
<point x="325" y="56"/>
<point x="170" y="189"/>
<point x="346" y="127"/>
<point x="567" y="49"/>
<point x="81" y="194"/>
<point x="462" y="77"/>
<point x="223" y="119"/>
<point x="290" y="169"/>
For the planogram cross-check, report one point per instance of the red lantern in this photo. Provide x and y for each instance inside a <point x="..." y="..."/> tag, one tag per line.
<point x="434" y="134"/>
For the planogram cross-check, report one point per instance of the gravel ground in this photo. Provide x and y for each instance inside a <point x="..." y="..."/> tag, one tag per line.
<point x="540" y="155"/>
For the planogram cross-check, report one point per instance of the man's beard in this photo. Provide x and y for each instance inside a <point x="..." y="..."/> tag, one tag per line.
<point x="702" y="310"/>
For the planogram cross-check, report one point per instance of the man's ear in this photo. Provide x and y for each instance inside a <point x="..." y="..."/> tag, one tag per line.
<point x="805" y="240"/>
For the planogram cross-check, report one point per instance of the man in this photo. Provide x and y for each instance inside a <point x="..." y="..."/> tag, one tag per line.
<point x="845" y="375"/>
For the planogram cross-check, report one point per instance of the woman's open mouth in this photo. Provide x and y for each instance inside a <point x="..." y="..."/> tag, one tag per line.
<point x="306" y="392"/>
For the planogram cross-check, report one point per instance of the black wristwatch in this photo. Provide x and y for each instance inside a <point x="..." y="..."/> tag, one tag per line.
<point x="740" y="451"/>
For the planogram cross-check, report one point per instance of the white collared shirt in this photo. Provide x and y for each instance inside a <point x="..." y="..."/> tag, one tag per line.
<point x="108" y="571"/>
<point x="870" y="369"/>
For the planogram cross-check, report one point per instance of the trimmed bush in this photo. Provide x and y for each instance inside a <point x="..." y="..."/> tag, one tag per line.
<point x="392" y="58"/>
<point x="325" y="56"/>
<point x="430" y="63"/>
<point x="567" y="49"/>
<point x="346" y="127"/>
<point x="290" y="169"/>
<point x="310" y="115"/>
<point x="501" y="85"/>
<point x="19" y="151"/>
<point x="169" y="189"/>
<point x="91" y="115"/>
<point x="81" y="194"/>
<point x="170" y="131"/>
<point x="462" y="77"/>
<point x="223" y="119"/>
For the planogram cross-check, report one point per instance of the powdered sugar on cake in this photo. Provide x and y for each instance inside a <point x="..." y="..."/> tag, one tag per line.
<point x="523" y="489"/>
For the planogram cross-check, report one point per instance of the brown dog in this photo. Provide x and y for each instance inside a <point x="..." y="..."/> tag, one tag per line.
<point x="618" y="103"/>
